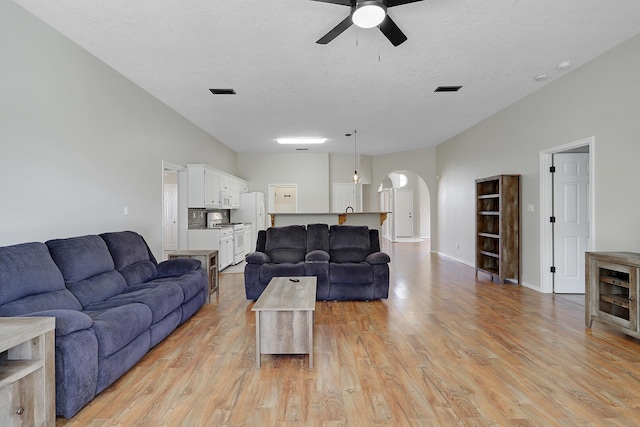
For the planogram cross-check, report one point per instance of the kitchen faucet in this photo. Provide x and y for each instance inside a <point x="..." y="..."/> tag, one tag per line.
<point x="347" y="210"/>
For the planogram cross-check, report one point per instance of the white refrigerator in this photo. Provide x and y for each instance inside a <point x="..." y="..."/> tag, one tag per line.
<point x="251" y="211"/>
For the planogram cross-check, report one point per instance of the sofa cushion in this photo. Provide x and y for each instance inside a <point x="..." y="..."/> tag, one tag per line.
<point x="350" y="273"/>
<point x="286" y="244"/>
<point x="191" y="283"/>
<point x="98" y="288"/>
<point x="79" y="258"/>
<point x="118" y="326"/>
<point x="161" y="300"/>
<point x="269" y="271"/>
<point x="67" y="321"/>
<point x="317" y="237"/>
<point x="131" y="256"/>
<point x="87" y="268"/>
<point x="349" y="243"/>
<point x="31" y="281"/>
<point x="177" y="266"/>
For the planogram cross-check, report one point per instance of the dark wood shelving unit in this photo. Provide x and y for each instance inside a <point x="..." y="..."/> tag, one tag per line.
<point x="498" y="227"/>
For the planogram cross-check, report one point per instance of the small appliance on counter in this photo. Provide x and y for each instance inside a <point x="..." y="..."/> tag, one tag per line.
<point x="214" y="220"/>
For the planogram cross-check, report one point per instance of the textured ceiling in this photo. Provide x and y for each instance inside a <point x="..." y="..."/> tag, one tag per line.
<point x="287" y="85"/>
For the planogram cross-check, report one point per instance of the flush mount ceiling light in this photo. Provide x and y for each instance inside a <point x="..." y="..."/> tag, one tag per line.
<point x="369" y="14"/>
<point x="301" y="141"/>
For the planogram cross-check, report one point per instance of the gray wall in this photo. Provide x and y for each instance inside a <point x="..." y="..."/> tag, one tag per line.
<point x="599" y="99"/>
<point x="79" y="142"/>
<point x="310" y="171"/>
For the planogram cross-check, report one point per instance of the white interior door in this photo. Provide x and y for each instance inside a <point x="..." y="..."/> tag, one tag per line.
<point x="170" y="217"/>
<point x="285" y="199"/>
<point x="571" y="229"/>
<point x="344" y="195"/>
<point x="403" y="213"/>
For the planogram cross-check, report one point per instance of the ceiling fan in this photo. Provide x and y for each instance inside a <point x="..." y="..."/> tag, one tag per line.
<point x="368" y="14"/>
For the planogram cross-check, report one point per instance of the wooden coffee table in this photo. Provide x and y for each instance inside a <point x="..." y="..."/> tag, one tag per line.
<point x="284" y="317"/>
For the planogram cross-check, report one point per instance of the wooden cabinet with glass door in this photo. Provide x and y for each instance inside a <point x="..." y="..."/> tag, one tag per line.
<point x="611" y="291"/>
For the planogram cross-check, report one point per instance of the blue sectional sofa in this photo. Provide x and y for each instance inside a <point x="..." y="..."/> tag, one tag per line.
<point x="345" y="259"/>
<point x="111" y="299"/>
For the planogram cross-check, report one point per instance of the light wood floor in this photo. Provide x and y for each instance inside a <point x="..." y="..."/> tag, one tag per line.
<point x="445" y="349"/>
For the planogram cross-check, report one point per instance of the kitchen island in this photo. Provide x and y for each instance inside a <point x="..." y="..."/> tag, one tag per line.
<point x="372" y="220"/>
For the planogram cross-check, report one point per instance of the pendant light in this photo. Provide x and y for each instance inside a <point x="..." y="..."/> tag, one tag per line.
<point x="355" y="143"/>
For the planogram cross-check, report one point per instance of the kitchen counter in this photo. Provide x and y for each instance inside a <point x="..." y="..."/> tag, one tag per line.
<point x="370" y="219"/>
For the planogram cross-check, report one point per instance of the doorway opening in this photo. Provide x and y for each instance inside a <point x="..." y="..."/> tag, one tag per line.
<point x="405" y="194"/>
<point x="567" y="226"/>
<point x="174" y="208"/>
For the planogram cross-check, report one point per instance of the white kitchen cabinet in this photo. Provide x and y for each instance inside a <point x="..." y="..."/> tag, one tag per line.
<point x="225" y="182"/>
<point x="226" y="251"/>
<point x="212" y="186"/>
<point x="220" y="239"/>
<point x="235" y="193"/>
<point x="203" y="183"/>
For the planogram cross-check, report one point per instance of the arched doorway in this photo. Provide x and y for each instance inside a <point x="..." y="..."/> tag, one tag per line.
<point x="406" y="195"/>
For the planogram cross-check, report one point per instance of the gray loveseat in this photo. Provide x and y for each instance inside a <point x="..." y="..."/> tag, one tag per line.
<point x="345" y="259"/>
<point x="111" y="300"/>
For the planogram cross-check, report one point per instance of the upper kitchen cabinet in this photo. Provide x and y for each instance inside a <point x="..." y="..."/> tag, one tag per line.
<point x="225" y="183"/>
<point x="235" y="193"/>
<point x="211" y="188"/>
<point x="204" y="187"/>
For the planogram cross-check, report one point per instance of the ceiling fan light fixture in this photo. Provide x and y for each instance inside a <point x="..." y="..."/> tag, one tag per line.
<point x="369" y="14"/>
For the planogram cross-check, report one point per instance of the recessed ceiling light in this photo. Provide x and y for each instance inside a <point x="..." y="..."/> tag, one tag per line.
<point x="223" y="91"/>
<point x="448" y="88"/>
<point x="541" y="77"/>
<point x="301" y="141"/>
<point x="564" y="65"/>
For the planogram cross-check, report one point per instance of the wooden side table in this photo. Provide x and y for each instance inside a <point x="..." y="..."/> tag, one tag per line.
<point x="209" y="261"/>
<point x="27" y="371"/>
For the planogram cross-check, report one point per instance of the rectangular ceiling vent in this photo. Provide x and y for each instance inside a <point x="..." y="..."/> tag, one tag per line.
<point x="223" y="91"/>
<point x="448" y="88"/>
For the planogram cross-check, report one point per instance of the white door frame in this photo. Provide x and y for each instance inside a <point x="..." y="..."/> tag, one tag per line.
<point x="171" y="209"/>
<point x="182" y="205"/>
<point x="546" y="206"/>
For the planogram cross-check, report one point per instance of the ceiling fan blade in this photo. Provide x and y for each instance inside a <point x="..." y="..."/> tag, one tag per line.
<point x="342" y="2"/>
<point x="337" y="30"/>
<point x="392" y="32"/>
<point x="391" y="3"/>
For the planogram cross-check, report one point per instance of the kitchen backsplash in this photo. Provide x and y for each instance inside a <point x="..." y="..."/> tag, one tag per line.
<point x="198" y="217"/>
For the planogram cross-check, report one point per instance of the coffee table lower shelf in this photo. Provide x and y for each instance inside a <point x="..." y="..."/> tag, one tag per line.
<point x="284" y="317"/>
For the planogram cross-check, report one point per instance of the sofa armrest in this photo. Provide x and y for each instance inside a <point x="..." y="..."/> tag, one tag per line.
<point x="378" y="258"/>
<point x="258" y="258"/>
<point x="67" y="321"/>
<point x="317" y="256"/>
<point x="176" y="267"/>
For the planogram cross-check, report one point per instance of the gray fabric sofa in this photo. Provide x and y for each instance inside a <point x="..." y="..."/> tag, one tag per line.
<point x="111" y="299"/>
<point x="345" y="259"/>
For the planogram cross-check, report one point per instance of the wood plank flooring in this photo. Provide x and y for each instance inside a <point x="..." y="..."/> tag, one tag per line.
<point x="445" y="349"/>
